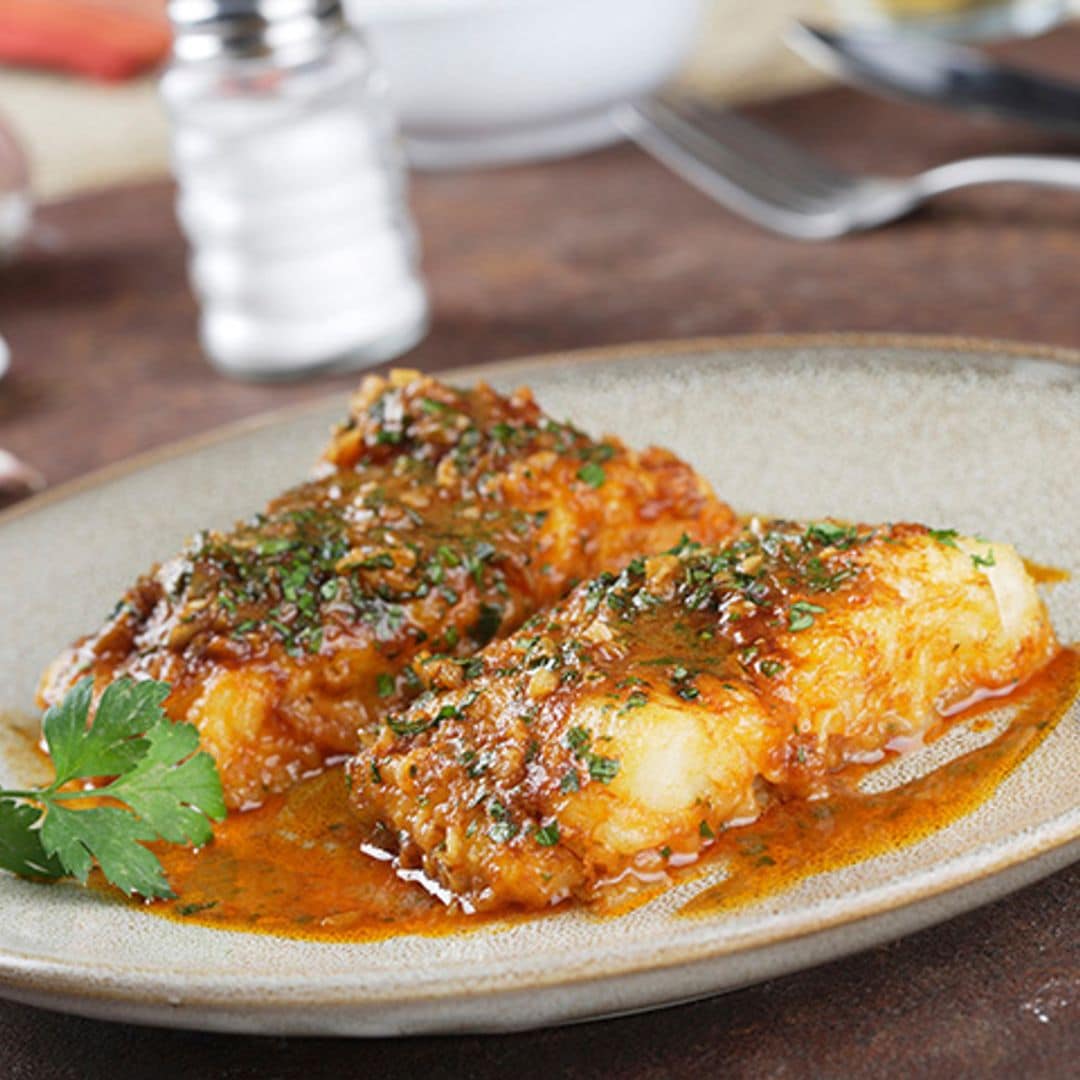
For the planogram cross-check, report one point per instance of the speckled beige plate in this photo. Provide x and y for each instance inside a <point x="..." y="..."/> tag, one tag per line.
<point x="984" y="438"/>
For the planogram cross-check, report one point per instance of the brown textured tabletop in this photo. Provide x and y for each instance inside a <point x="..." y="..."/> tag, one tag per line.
<point x="603" y="249"/>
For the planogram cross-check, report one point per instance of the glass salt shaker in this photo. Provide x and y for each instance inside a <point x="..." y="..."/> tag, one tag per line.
<point x="291" y="189"/>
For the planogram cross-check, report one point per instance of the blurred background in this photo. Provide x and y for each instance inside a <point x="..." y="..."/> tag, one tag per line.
<point x="106" y="124"/>
<point x="217" y="187"/>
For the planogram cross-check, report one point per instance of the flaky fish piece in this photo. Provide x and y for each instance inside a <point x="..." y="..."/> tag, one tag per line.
<point x="627" y="727"/>
<point x="438" y="520"/>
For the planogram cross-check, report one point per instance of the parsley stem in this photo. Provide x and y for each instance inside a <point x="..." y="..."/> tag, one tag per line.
<point x="39" y="795"/>
<point x="52" y="792"/>
<point x="94" y="793"/>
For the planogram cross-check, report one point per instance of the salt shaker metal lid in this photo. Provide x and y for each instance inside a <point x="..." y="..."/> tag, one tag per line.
<point x="240" y="29"/>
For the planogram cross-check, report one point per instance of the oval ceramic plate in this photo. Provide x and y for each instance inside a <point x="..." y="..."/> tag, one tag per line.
<point x="985" y="439"/>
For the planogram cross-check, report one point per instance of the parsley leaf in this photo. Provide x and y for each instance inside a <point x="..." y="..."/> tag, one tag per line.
<point x="400" y="726"/>
<point x="802" y="615"/>
<point x="831" y="534"/>
<point x="547" y="835"/>
<point x="107" y="748"/>
<point x="21" y="850"/>
<point x="944" y="536"/>
<point x="166" y="788"/>
<point x="570" y="782"/>
<point x="112" y="837"/>
<point x="604" y="769"/>
<point x="175" y="788"/>
<point x="505" y="828"/>
<point x="592" y="474"/>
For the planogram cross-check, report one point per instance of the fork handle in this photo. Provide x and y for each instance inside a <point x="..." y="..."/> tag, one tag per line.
<point x="1041" y="170"/>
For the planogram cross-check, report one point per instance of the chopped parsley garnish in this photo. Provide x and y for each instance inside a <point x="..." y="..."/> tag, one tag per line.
<point x="547" y="835"/>
<point x="578" y="739"/>
<point x="802" y="614"/>
<point x="476" y="764"/>
<point x="944" y="536"/>
<point x="471" y="667"/>
<point x="504" y="828"/>
<point x="831" y="534"/>
<point x="384" y="684"/>
<point x="684" y="545"/>
<point x="196" y="908"/>
<point x="595" y="591"/>
<point x="382" y="561"/>
<point x="983" y="561"/>
<point x="448" y="556"/>
<point x="603" y="769"/>
<point x="682" y="683"/>
<point x="706" y="830"/>
<point x="592" y="474"/>
<point x="275" y="545"/>
<point x="400" y="726"/>
<point x="600" y="453"/>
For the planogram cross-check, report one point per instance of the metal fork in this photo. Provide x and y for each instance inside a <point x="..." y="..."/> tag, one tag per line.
<point x="782" y="187"/>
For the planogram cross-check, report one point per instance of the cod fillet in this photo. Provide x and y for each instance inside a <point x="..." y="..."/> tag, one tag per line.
<point x="438" y="520"/>
<point x="650" y="710"/>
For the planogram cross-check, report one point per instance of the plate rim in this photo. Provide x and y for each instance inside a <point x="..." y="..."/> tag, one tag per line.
<point x="117" y="985"/>
<point x="961" y="345"/>
<point x="204" y="989"/>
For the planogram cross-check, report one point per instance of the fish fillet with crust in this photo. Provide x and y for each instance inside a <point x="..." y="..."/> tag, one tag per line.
<point x="650" y="710"/>
<point x="439" y="519"/>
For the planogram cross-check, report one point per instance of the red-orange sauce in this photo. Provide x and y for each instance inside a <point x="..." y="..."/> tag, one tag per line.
<point x="295" y="868"/>
<point x="1045" y="575"/>
<point x="796" y="839"/>
<point x="20" y="747"/>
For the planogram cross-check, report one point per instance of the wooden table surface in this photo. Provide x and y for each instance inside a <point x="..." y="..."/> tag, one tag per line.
<point x="603" y="249"/>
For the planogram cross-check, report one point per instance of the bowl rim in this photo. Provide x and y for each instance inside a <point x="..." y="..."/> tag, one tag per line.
<point x="381" y="12"/>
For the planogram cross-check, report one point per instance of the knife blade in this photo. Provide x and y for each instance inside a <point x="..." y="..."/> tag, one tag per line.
<point x="913" y="67"/>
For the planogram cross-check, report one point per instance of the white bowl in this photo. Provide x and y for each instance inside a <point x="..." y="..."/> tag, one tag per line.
<point x="484" y="82"/>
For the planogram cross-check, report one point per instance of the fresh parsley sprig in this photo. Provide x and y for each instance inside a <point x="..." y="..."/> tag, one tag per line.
<point x="162" y="787"/>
